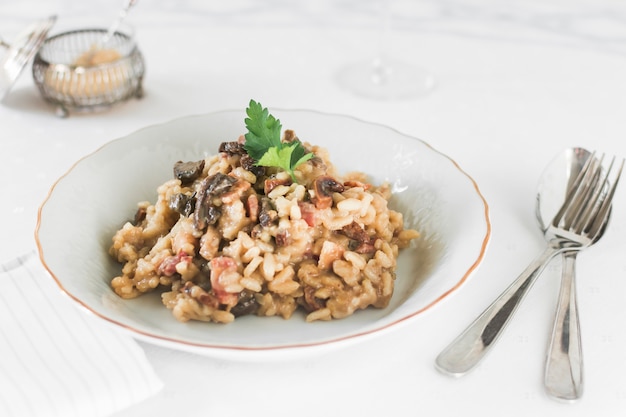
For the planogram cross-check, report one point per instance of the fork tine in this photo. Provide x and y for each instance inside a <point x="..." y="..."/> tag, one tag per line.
<point x="585" y="194"/>
<point x="577" y="192"/>
<point x="596" y="200"/>
<point x="602" y="216"/>
<point x="588" y="202"/>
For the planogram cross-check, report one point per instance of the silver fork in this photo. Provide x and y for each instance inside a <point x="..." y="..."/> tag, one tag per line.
<point x="563" y="378"/>
<point x="580" y="219"/>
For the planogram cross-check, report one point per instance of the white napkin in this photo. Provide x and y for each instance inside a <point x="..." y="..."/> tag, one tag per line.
<point x="58" y="361"/>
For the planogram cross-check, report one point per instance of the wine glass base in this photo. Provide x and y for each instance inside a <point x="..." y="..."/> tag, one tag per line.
<point x="391" y="80"/>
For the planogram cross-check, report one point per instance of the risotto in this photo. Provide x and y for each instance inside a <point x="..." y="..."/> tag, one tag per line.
<point x="227" y="238"/>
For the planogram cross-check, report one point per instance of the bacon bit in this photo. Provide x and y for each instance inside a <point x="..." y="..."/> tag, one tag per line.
<point x="253" y="207"/>
<point x="356" y="232"/>
<point x="311" y="302"/>
<point x="354" y="183"/>
<point x="365" y="248"/>
<point x="235" y="192"/>
<point x="209" y="299"/>
<point x="283" y="238"/>
<point x="219" y="266"/>
<point x="272" y="183"/>
<point x="308" y="213"/>
<point x="168" y="265"/>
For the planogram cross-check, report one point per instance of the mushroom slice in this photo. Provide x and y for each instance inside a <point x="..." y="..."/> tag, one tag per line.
<point x="324" y="187"/>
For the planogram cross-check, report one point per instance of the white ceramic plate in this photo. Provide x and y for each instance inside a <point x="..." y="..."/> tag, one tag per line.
<point x="100" y="192"/>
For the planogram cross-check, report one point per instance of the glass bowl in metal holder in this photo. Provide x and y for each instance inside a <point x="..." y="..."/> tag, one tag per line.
<point x="76" y="71"/>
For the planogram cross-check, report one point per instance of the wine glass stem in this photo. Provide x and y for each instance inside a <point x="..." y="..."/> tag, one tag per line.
<point x="381" y="71"/>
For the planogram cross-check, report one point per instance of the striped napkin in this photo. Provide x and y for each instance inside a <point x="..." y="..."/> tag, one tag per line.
<point x="57" y="361"/>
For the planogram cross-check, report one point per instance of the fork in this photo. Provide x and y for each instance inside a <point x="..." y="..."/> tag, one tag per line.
<point x="578" y="222"/>
<point x="563" y="378"/>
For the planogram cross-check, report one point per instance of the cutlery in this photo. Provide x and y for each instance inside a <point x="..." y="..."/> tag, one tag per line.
<point x="576" y="225"/>
<point x="563" y="378"/>
<point x="564" y="363"/>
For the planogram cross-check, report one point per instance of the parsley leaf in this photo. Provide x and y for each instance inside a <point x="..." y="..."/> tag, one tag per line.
<point x="263" y="131"/>
<point x="264" y="145"/>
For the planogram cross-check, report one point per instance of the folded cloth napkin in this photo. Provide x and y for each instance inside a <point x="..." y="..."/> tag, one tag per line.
<point x="57" y="361"/>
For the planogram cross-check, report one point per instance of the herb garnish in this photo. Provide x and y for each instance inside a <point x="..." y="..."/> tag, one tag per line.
<point x="264" y="144"/>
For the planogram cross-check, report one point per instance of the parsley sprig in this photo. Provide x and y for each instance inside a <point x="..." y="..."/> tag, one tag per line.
<point x="264" y="144"/>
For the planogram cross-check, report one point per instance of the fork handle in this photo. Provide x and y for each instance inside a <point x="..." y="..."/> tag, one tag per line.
<point x="564" y="364"/>
<point x="467" y="350"/>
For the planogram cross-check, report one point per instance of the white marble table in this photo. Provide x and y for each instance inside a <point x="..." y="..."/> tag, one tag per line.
<point x="517" y="82"/>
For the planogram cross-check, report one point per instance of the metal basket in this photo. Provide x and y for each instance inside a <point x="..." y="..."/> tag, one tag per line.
<point x="71" y="85"/>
